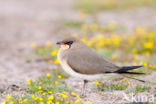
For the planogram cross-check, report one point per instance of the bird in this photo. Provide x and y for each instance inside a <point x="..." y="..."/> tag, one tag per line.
<point x="80" y="61"/>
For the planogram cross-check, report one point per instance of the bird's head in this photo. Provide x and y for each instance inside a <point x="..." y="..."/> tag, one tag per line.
<point x="68" y="42"/>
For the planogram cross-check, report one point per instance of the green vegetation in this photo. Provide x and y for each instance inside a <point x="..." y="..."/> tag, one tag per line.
<point x="94" y="6"/>
<point x="139" y="89"/>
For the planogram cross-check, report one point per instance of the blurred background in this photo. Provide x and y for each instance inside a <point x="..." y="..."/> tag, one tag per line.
<point x="123" y="31"/>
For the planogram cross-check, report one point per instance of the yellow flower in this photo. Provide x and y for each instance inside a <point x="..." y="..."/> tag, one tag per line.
<point x="48" y="75"/>
<point x="8" y="97"/>
<point x="11" y="102"/>
<point x="64" y="92"/>
<point x="134" y="64"/>
<point x="59" y="76"/>
<point x="40" y="91"/>
<point x="100" y="44"/>
<point x="54" y="53"/>
<point x="36" y="98"/>
<point x="49" y="102"/>
<point x="148" y="45"/>
<point x="20" y="99"/>
<point x="145" y="63"/>
<point x="67" y="102"/>
<point x="28" y="82"/>
<point x="50" y="98"/>
<point x="4" y="101"/>
<point x="57" y="93"/>
<point x="39" y="87"/>
<point x="73" y="93"/>
<point x="78" y="97"/>
<point x="43" y="94"/>
<point x="114" y="56"/>
<point x="141" y="62"/>
<point x="142" y="87"/>
<point x="25" y="100"/>
<point x="33" y="96"/>
<point x="50" y="92"/>
<point x="64" y="96"/>
<point x="139" y="30"/>
<point x="116" y="40"/>
<point x="134" y="51"/>
<point x="40" y="99"/>
<point x="56" y="61"/>
<point x="96" y="83"/>
<point x="48" y="44"/>
<point x="152" y="66"/>
<point x="33" y="45"/>
<point x="57" y="102"/>
<point x="128" y="83"/>
<point x="84" y="40"/>
<point x="81" y="100"/>
<point x="41" y="103"/>
<point x="123" y="80"/>
<point x="87" y="102"/>
<point x="76" y="101"/>
<point x="56" y="82"/>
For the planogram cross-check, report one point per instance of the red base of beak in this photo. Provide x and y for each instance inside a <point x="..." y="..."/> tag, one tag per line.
<point x="62" y="44"/>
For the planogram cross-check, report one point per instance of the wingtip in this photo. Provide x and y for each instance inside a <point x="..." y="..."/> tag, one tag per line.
<point x="140" y="66"/>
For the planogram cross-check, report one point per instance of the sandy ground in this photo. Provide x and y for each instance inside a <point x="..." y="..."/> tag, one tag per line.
<point x="23" y="22"/>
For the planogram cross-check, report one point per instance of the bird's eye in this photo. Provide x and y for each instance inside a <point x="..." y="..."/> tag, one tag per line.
<point x="69" y="43"/>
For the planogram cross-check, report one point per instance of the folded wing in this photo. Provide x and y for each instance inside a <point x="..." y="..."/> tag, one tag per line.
<point x="87" y="61"/>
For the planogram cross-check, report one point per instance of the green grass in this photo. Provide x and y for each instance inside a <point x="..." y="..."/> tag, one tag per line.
<point x="73" y="24"/>
<point x="138" y="89"/>
<point x="44" y="90"/>
<point x="120" y="84"/>
<point x="47" y="84"/>
<point x="112" y="86"/>
<point x="94" y="6"/>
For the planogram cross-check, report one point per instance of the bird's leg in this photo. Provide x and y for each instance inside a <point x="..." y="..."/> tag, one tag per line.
<point x="83" y="92"/>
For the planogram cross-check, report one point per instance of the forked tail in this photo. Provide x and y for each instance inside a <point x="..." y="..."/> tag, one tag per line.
<point x="125" y="69"/>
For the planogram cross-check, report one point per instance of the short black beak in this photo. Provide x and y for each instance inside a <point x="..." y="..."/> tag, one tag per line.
<point x="58" y="43"/>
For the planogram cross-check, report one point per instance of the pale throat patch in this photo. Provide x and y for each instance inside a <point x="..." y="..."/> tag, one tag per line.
<point x="64" y="47"/>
